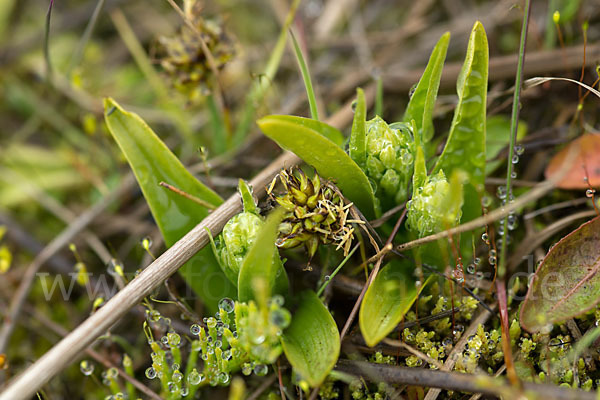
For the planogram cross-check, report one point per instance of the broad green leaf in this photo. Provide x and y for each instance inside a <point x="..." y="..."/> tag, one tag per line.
<point x="358" y="137"/>
<point x="567" y="283"/>
<point x="497" y="133"/>
<point x="152" y="162"/>
<point x="465" y="148"/>
<point x="262" y="270"/>
<point x="422" y="102"/>
<point x="317" y="149"/>
<point x="312" y="341"/>
<point x="387" y="300"/>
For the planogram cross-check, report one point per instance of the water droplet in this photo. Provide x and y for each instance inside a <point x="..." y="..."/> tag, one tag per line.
<point x="86" y="367"/>
<point x="224" y="378"/>
<point x="479" y="275"/>
<point x="172" y="387"/>
<point x="218" y="344"/>
<point x="278" y="300"/>
<point x="554" y="342"/>
<point x="261" y="369"/>
<point x="114" y="267"/>
<point x="590" y="193"/>
<point x="195" y="329"/>
<point x="477" y="261"/>
<point x="226" y="355"/>
<point x="486" y="201"/>
<point x="112" y="373"/>
<point x="471" y="269"/>
<point x="177" y="376"/>
<point x="211" y="323"/>
<point x="246" y="369"/>
<point x="146" y="243"/>
<point x="227" y="305"/>
<point x="492" y="260"/>
<point x="485" y="238"/>
<point x="184" y="391"/>
<point x="519" y="149"/>
<point x="150" y="373"/>
<point x="173" y="339"/>
<point x="492" y="253"/>
<point x="512" y="222"/>
<point x="354" y="105"/>
<point x="280" y="318"/>
<point x="501" y="192"/>
<point x="515" y="159"/>
<point x="513" y="175"/>
<point x="412" y="90"/>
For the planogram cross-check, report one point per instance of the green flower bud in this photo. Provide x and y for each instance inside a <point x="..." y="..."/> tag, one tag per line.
<point x="389" y="160"/>
<point x="238" y="236"/>
<point x="426" y="210"/>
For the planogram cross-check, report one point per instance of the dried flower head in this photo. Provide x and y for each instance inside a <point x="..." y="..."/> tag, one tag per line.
<point x="315" y="212"/>
<point x="185" y="59"/>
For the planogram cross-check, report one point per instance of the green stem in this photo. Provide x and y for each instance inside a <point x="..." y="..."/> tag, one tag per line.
<point x="514" y="122"/>
<point x="324" y="285"/>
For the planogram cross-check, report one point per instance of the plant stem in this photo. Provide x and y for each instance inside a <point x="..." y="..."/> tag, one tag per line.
<point x="324" y="285"/>
<point x="514" y="124"/>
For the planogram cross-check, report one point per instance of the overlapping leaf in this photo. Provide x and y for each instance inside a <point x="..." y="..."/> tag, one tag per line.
<point x="313" y="142"/>
<point x="152" y="162"/>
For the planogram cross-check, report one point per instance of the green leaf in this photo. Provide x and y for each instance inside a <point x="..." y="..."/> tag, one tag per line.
<point x="420" y="171"/>
<point x="247" y="198"/>
<point x="497" y="134"/>
<point x="422" y="102"/>
<point x="262" y="270"/>
<point x="312" y="341"/>
<point x="310" y="93"/>
<point x="465" y="148"/>
<point x="312" y="143"/>
<point x="387" y="300"/>
<point x="567" y="283"/>
<point x="358" y="137"/>
<point x="152" y="162"/>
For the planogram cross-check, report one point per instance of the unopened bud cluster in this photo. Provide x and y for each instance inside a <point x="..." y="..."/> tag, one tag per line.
<point x="427" y="211"/>
<point x="390" y="158"/>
